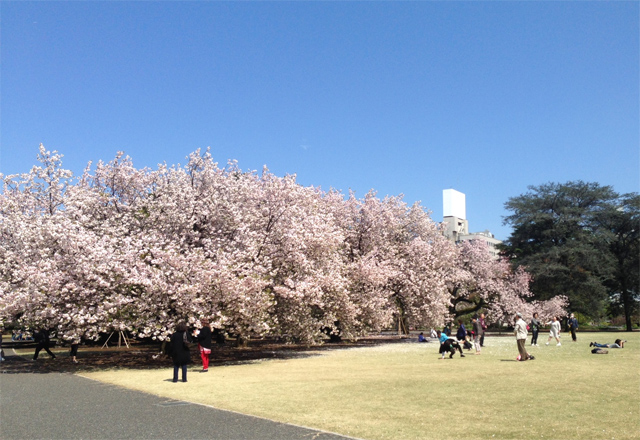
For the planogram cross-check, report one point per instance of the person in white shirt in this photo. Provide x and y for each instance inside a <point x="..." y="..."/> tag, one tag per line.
<point x="555" y="330"/>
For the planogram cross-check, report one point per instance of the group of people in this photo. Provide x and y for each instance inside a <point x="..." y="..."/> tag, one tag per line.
<point x="181" y="340"/>
<point x="464" y="336"/>
<point x="180" y="347"/>
<point x="554" y="333"/>
<point x="521" y="330"/>
<point x="20" y="335"/>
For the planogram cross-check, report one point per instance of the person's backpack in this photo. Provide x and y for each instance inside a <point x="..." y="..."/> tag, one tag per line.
<point x="599" y="351"/>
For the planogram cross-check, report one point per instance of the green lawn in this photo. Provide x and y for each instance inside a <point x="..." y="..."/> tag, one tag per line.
<point x="403" y="391"/>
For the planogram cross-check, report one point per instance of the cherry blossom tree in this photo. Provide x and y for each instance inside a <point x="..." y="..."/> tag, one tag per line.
<point x="137" y="250"/>
<point x="399" y="260"/>
<point x="484" y="283"/>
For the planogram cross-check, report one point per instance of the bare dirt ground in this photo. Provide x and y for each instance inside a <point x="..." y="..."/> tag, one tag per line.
<point x="142" y="355"/>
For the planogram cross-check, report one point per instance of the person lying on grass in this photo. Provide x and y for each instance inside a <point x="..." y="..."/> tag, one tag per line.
<point x="619" y="343"/>
<point x="449" y="345"/>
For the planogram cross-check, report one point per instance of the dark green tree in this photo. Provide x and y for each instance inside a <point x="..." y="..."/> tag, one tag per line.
<point x="620" y="228"/>
<point x="576" y="239"/>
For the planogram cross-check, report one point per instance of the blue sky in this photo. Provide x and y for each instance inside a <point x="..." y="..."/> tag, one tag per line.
<point x="403" y="97"/>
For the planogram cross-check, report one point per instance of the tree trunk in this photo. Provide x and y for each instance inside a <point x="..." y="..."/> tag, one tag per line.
<point x="242" y="341"/>
<point x="627" y="302"/>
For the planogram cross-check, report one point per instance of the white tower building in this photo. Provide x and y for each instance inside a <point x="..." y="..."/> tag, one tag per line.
<point x="457" y="226"/>
<point x="454" y="213"/>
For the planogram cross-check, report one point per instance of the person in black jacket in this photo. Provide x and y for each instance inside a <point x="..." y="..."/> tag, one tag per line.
<point x="450" y="346"/>
<point x="180" y="351"/>
<point x="43" y="339"/>
<point x="535" y="329"/>
<point x="203" y="336"/>
<point x="461" y="335"/>
<point x="573" y="326"/>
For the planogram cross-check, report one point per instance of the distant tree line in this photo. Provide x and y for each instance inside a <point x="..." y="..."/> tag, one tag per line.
<point x="580" y="240"/>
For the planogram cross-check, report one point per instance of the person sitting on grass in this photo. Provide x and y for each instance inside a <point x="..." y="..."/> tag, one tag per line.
<point x="449" y="345"/>
<point x="421" y="338"/>
<point x="619" y="343"/>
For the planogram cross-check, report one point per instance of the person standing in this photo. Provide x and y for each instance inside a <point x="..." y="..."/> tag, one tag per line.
<point x="478" y="333"/>
<point x="520" y="331"/>
<point x="43" y="339"/>
<point x="74" y="350"/>
<point x="483" y="323"/>
<point x="203" y="336"/>
<point x="2" y="359"/>
<point x="461" y="334"/>
<point x="535" y="329"/>
<point x="180" y="351"/>
<point x="554" y="332"/>
<point x="573" y="326"/>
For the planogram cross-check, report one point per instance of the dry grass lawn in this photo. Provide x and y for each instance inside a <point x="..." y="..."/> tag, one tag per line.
<point x="403" y="391"/>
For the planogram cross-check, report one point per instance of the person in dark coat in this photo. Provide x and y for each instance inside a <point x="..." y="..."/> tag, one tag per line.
<point x="573" y="326"/>
<point x="203" y="336"/>
<point x="449" y="345"/>
<point x="43" y="339"/>
<point x="180" y="351"/>
<point x="461" y="335"/>
<point x="535" y="329"/>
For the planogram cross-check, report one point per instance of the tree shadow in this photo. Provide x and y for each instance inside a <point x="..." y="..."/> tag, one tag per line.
<point x="143" y="356"/>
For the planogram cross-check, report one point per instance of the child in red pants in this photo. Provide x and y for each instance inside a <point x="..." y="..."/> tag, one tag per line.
<point x="203" y="336"/>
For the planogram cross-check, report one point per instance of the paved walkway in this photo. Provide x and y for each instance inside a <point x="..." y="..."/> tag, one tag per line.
<point x="64" y="406"/>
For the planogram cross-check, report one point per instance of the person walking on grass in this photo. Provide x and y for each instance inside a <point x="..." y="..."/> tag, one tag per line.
<point x="484" y="326"/>
<point x="573" y="326"/>
<point x="554" y="332"/>
<point x="478" y="333"/>
<point x="535" y="328"/>
<point x="520" y="331"/>
<point x="43" y="339"/>
<point x="180" y="351"/>
<point x="203" y="337"/>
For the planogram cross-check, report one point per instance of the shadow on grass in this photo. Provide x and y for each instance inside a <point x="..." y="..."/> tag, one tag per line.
<point x="145" y="357"/>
